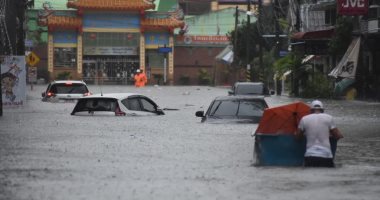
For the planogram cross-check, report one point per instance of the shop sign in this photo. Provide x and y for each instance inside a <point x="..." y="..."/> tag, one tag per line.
<point x="164" y="49"/>
<point x="110" y="51"/>
<point x="352" y="7"/>
<point x="202" y="39"/>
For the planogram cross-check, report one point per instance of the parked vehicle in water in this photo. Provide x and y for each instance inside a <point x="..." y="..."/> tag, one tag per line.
<point x="65" y="90"/>
<point x="250" y="88"/>
<point x="239" y="109"/>
<point x="116" y="104"/>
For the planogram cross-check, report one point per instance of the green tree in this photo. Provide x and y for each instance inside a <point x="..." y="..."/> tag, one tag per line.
<point x="342" y="37"/>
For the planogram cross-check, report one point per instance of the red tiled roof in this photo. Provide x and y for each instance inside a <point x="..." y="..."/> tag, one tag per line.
<point x="122" y="5"/>
<point x="154" y="23"/>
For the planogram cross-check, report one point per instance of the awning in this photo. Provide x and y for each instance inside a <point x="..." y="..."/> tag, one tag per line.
<point x="346" y="68"/>
<point x="321" y="34"/>
<point x="227" y="55"/>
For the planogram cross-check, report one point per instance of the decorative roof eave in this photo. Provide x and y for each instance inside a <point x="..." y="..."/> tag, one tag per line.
<point x="159" y="24"/>
<point x="115" y="5"/>
<point x="53" y="22"/>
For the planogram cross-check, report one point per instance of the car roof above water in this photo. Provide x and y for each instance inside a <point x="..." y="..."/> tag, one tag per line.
<point x="112" y="95"/>
<point x="68" y="81"/>
<point x="249" y="83"/>
<point x="238" y="97"/>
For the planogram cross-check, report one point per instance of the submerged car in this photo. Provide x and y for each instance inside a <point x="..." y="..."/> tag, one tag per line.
<point x="250" y="88"/>
<point x="65" y="90"/>
<point x="239" y="109"/>
<point x="116" y="104"/>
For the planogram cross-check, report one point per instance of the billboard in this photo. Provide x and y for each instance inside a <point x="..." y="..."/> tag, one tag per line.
<point x="352" y="7"/>
<point x="13" y="81"/>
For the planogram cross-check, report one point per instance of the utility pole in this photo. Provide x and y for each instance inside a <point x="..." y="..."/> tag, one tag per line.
<point x="277" y="27"/>
<point x="277" y="40"/>
<point x="249" y="71"/>
<point x="236" y="33"/>
<point x="261" y="75"/>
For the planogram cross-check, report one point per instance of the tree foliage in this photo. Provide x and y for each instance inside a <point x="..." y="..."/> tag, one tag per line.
<point x="343" y="35"/>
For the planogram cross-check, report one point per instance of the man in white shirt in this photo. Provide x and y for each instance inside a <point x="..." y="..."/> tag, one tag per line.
<point x="317" y="127"/>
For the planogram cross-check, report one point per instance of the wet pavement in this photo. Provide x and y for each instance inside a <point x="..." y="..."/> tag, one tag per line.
<point x="45" y="153"/>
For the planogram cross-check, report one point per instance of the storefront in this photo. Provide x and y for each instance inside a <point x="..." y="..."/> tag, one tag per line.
<point x="108" y="41"/>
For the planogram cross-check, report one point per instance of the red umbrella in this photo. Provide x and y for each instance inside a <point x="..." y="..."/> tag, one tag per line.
<point x="282" y="119"/>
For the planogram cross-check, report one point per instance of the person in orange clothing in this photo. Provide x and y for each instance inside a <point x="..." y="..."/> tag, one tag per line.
<point x="140" y="78"/>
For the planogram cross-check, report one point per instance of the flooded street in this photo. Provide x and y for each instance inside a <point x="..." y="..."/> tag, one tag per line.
<point x="45" y="153"/>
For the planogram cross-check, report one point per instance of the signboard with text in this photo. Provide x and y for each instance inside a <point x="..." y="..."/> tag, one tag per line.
<point x="109" y="51"/>
<point x="201" y="39"/>
<point x="352" y="7"/>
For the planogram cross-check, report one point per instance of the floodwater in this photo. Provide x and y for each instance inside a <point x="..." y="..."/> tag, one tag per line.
<point x="45" y="153"/>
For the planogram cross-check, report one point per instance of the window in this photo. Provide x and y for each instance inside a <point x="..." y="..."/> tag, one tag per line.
<point x="249" y="89"/>
<point x="147" y="105"/>
<point x="65" y="57"/>
<point x="225" y="108"/>
<point x="330" y="17"/>
<point x="68" y="88"/>
<point x="251" y="108"/>
<point x="96" y="104"/>
<point x="132" y="104"/>
<point x="373" y="13"/>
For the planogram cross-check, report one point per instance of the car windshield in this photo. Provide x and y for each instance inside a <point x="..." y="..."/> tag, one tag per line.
<point x="96" y="104"/>
<point x="237" y="108"/>
<point x="249" y="89"/>
<point x="74" y="88"/>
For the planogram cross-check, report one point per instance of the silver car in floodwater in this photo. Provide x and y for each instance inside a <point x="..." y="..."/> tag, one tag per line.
<point x="65" y="91"/>
<point x="116" y="104"/>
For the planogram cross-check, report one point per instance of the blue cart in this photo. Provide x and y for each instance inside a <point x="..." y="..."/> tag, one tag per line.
<point x="282" y="150"/>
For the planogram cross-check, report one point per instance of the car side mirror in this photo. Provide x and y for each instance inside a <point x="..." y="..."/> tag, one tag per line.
<point x="43" y="94"/>
<point x="230" y="92"/>
<point x="200" y="114"/>
<point x="159" y="111"/>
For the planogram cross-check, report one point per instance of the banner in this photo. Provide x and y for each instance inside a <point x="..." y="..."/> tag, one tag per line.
<point x="346" y="68"/>
<point x="13" y="81"/>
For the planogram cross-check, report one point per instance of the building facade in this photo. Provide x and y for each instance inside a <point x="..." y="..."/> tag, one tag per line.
<point x="108" y="40"/>
<point x="354" y="74"/>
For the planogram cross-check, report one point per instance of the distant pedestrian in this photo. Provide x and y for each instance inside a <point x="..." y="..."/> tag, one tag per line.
<point x="140" y="78"/>
<point x="318" y="127"/>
